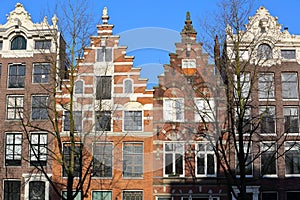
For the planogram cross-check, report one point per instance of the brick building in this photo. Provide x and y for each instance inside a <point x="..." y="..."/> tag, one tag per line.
<point x="113" y="118"/>
<point x="27" y="53"/>
<point x="185" y="166"/>
<point x="269" y="83"/>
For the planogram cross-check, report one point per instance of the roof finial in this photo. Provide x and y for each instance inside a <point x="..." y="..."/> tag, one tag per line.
<point x="188" y="29"/>
<point x="188" y="15"/>
<point x="105" y="16"/>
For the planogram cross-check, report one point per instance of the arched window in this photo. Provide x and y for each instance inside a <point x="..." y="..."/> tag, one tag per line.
<point x="128" y="87"/>
<point x="264" y="51"/>
<point x="18" y="43"/>
<point x="79" y="87"/>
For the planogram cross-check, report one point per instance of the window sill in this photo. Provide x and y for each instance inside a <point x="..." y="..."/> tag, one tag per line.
<point x="270" y="176"/>
<point x="292" y="175"/>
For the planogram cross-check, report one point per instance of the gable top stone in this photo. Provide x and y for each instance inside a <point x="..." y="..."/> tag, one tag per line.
<point x="20" y="17"/>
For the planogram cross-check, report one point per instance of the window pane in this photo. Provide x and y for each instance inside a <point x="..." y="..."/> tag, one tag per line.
<point x="264" y="51"/>
<point x="268" y="159"/>
<point x="173" y="157"/>
<point x="291" y="120"/>
<point x="173" y="109"/>
<point x="288" y="54"/>
<point x="269" y="196"/>
<point x="38" y="149"/>
<point x="267" y="123"/>
<point x="37" y="190"/>
<point x="12" y="190"/>
<point x="13" y="149"/>
<point x="42" y="44"/>
<point x="133" y="159"/>
<point x="292" y="157"/>
<point x="133" y="121"/>
<point x="103" y="157"/>
<point x="16" y="76"/>
<point x="289" y="85"/>
<point x="79" y="87"/>
<point x="18" y="43"/>
<point x="102" y="195"/>
<point x="132" y="195"/>
<point x="103" y="89"/>
<point x="41" y="73"/>
<point x="39" y="107"/>
<point x="266" y="86"/>
<point x="103" y="120"/>
<point x="14" y="107"/>
<point x="128" y="86"/>
<point x="77" y="159"/>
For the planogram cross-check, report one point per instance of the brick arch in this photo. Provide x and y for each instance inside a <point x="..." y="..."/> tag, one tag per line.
<point x="173" y="93"/>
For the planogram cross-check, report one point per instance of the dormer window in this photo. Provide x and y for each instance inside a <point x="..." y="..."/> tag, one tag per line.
<point x="18" y="43"/>
<point x="264" y="51"/>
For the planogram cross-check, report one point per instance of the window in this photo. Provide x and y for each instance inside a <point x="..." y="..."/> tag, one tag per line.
<point x="12" y="190"/>
<point x="269" y="196"/>
<point x="104" y="55"/>
<point x="37" y="190"/>
<point x="79" y="87"/>
<point x="38" y="149"/>
<point x="103" y="120"/>
<point x="103" y="90"/>
<point x="267" y="119"/>
<point x="133" y="120"/>
<point x="132" y="195"/>
<point x="77" y="115"/>
<point x="292" y="157"/>
<point x="264" y="51"/>
<point x="205" y="159"/>
<point x="243" y="115"/>
<point x="1" y="45"/>
<point x="128" y="86"/>
<point x="39" y="107"/>
<point x="103" y="157"/>
<point x="204" y="110"/>
<point x="289" y="85"/>
<point x="291" y="119"/>
<point x="41" y="73"/>
<point x="16" y="76"/>
<point x="101" y="195"/>
<point x="133" y="159"/>
<point x="77" y="159"/>
<point x="77" y="197"/>
<point x="242" y="86"/>
<point x="14" y="107"/>
<point x="268" y="159"/>
<point x="174" y="110"/>
<point x="266" y="86"/>
<point x="13" y="149"/>
<point x="288" y="54"/>
<point x="42" y="44"/>
<point x="173" y="158"/>
<point x="292" y="195"/>
<point x="188" y="63"/>
<point x="248" y="160"/>
<point x="18" y="43"/>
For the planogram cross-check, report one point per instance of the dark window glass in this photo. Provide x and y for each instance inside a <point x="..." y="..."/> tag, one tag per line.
<point x="13" y="149"/>
<point x="12" y="190"/>
<point x="18" y="43"/>
<point x="292" y="195"/>
<point x="16" y="76"/>
<point x="133" y="159"/>
<point x="269" y="196"/>
<point x="42" y="44"/>
<point x="132" y="195"/>
<point x="77" y="160"/>
<point x="39" y="107"/>
<point x="41" y="73"/>
<point x="267" y="123"/>
<point x="103" y="120"/>
<point x="37" y="190"/>
<point x="205" y="160"/>
<point x="102" y="166"/>
<point x="1" y="44"/>
<point x="268" y="159"/>
<point x="101" y="195"/>
<point x="288" y="54"/>
<point x="292" y="157"/>
<point x="77" y="115"/>
<point x="173" y="153"/>
<point x="104" y="54"/>
<point x="103" y="90"/>
<point x="79" y="87"/>
<point x="38" y="149"/>
<point x="291" y="120"/>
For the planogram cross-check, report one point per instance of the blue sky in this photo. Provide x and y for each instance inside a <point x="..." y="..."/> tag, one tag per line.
<point x="158" y="21"/>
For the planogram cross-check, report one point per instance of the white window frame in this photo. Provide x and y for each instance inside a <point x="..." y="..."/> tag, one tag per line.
<point x="204" y="110"/>
<point x="249" y="189"/>
<point x="36" y="177"/>
<point x="17" y="105"/>
<point x="250" y="159"/>
<point x="173" y="152"/>
<point x="245" y="84"/>
<point x="36" y="146"/>
<point x="16" y="153"/>
<point x="262" y="114"/>
<point x="133" y="164"/>
<point x="16" y="180"/>
<point x="142" y="113"/>
<point x="288" y="91"/>
<point x="291" y="146"/>
<point x="188" y="63"/>
<point x="171" y="111"/>
<point x="112" y="161"/>
<point x="205" y="152"/>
